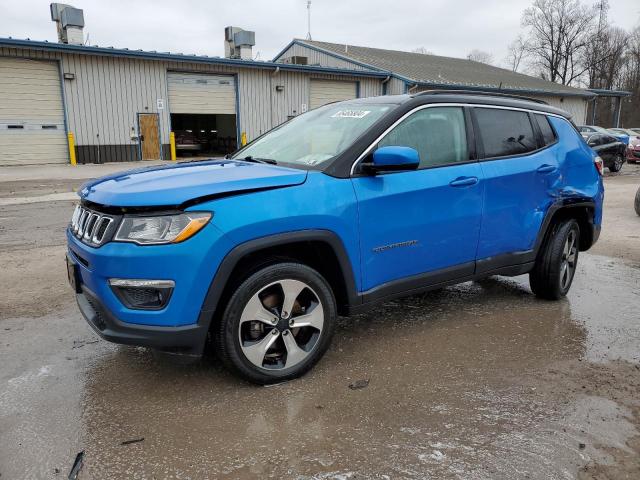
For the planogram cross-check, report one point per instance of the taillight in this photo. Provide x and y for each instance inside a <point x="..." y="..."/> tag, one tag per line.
<point x="599" y="164"/>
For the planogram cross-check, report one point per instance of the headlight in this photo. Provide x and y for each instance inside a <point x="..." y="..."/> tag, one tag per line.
<point x="161" y="228"/>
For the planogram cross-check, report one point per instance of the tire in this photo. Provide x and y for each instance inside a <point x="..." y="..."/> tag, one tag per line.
<point x="616" y="166"/>
<point x="256" y="337"/>
<point x="556" y="264"/>
<point x="636" y="203"/>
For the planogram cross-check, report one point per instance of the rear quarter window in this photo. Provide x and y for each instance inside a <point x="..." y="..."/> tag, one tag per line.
<point x="548" y="135"/>
<point x="505" y="132"/>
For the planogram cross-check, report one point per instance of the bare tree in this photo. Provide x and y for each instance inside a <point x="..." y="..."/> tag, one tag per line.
<point x="480" y="56"/>
<point x="558" y="33"/>
<point x="422" y="50"/>
<point x="515" y="53"/>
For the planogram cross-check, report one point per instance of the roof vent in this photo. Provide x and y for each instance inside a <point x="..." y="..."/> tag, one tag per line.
<point x="238" y="43"/>
<point x="69" y="21"/>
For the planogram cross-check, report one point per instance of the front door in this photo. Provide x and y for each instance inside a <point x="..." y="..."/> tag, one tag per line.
<point x="149" y="136"/>
<point x="421" y="227"/>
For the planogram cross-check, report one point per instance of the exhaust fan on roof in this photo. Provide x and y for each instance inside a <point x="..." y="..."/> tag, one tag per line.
<point x="69" y="22"/>
<point x="238" y="43"/>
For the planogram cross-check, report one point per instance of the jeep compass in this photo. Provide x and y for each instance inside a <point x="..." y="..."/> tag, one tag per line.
<point x="332" y="212"/>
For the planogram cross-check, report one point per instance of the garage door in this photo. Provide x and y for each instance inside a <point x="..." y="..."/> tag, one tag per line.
<point x="327" y="91"/>
<point x="31" y="114"/>
<point x="196" y="93"/>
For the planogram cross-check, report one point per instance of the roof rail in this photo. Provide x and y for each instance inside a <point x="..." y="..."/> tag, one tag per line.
<point x="480" y="93"/>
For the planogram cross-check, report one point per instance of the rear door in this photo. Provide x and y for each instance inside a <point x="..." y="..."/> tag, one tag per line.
<point x="421" y="227"/>
<point x="521" y="174"/>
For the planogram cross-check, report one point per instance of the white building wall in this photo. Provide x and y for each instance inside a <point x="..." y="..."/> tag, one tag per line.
<point x="103" y="100"/>
<point x="319" y="58"/>
<point x="575" y="106"/>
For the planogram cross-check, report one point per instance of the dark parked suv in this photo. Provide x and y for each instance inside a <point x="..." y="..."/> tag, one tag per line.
<point x="341" y="208"/>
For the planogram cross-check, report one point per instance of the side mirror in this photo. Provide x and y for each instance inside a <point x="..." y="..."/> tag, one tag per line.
<point x="393" y="159"/>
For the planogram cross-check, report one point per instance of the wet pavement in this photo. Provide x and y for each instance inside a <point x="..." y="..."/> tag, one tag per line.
<point x="475" y="381"/>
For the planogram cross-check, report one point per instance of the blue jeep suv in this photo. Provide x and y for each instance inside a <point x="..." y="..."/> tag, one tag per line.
<point x="348" y="205"/>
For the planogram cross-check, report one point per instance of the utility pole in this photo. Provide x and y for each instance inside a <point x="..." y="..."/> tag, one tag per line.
<point x="308" y="19"/>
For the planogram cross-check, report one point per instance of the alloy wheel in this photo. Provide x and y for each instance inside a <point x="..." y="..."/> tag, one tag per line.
<point x="281" y="324"/>
<point x="569" y="257"/>
<point x="618" y="162"/>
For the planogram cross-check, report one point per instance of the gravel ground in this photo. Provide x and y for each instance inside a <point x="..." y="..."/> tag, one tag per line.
<point x="476" y="381"/>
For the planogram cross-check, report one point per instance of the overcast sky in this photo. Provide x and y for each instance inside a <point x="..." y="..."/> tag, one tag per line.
<point x="444" y="27"/>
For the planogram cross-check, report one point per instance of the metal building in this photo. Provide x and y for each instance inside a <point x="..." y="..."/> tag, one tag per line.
<point x="414" y="72"/>
<point x="125" y="105"/>
<point x="121" y="105"/>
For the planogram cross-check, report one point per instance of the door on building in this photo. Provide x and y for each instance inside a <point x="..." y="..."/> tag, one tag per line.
<point x="327" y="91"/>
<point x="203" y="113"/>
<point x="31" y="113"/>
<point x="149" y="136"/>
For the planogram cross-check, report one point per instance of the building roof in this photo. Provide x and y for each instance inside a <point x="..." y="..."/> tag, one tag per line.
<point x="177" y="57"/>
<point x="437" y="71"/>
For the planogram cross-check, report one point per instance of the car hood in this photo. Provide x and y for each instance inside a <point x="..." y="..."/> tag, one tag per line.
<point x="175" y="184"/>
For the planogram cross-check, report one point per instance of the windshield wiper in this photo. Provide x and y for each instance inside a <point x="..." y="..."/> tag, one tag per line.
<point x="249" y="158"/>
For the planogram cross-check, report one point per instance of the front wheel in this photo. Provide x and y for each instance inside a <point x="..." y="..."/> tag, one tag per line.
<point x="277" y="324"/>
<point x="618" y="161"/>
<point x="636" y="203"/>
<point x="556" y="264"/>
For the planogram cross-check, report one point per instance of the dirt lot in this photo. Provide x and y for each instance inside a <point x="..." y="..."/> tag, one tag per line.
<point x="477" y="381"/>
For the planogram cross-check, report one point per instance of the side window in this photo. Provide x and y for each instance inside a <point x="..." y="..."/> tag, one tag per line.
<point x="438" y="134"/>
<point x="594" y="140"/>
<point x="548" y="135"/>
<point x="607" y="139"/>
<point x="505" y="132"/>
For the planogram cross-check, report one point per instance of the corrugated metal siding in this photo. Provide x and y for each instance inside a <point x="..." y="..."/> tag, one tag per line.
<point x="395" y="86"/>
<point x="577" y="107"/>
<point x="103" y="100"/>
<point x="31" y="113"/>
<point x="318" y="58"/>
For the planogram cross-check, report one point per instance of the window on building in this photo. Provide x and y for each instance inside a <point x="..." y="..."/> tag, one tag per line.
<point x="548" y="135"/>
<point x="438" y="134"/>
<point x="505" y="132"/>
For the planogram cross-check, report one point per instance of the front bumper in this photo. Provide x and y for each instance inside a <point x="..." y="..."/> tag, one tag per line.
<point x="180" y="326"/>
<point x="185" y="340"/>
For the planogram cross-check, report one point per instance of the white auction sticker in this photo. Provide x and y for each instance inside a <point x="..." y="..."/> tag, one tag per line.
<point x="350" y="114"/>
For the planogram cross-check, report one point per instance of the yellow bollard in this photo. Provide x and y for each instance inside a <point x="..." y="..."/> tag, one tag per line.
<point x="72" y="149"/>
<point x="243" y="138"/>
<point x="172" y="143"/>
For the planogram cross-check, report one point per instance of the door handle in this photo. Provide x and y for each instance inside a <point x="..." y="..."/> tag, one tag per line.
<point x="546" y="168"/>
<point x="464" y="181"/>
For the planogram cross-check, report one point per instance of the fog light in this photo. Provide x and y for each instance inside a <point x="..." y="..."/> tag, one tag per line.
<point x="142" y="294"/>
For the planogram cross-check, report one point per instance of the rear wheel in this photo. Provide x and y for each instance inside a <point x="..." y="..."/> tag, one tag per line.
<point x="618" y="161"/>
<point x="277" y="324"/>
<point x="555" y="266"/>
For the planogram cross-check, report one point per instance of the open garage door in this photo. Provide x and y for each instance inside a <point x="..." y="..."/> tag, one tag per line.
<point x="31" y="113"/>
<point x="327" y="91"/>
<point x="203" y="113"/>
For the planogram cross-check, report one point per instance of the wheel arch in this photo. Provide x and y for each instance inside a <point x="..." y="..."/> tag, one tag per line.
<point x="320" y="249"/>
<point x="582" y="211"/>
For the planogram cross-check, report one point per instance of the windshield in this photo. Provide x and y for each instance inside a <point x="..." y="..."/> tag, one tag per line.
<point x="315" y="137"/>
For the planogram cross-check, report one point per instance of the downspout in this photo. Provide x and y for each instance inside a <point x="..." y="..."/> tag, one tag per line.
<point x="593" y="112"/>
<point x="384" y="84"/>
<point x="273" y="74"/>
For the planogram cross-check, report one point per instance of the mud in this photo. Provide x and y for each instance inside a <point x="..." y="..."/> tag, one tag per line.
<point x="476" y="381"/>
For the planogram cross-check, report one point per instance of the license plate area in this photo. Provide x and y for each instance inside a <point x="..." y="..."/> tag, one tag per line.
<point x="73" y="275"/>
